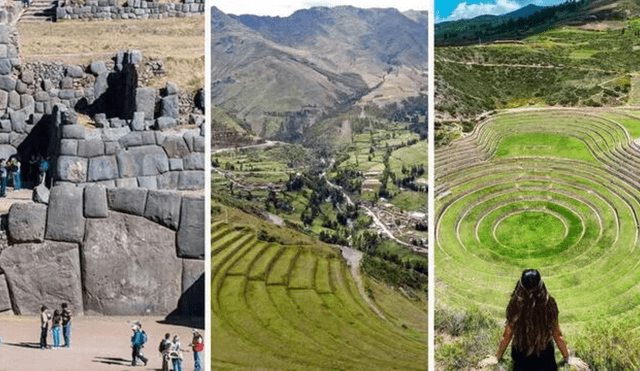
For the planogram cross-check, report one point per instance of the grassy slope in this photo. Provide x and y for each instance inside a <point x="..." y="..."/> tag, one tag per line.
<point x="292" y="304"/>
<point x="179" y="42"/>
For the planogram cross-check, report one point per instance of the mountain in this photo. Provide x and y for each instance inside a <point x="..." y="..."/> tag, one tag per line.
<point x="284" y="75"/>
<point x="531" y="20"/>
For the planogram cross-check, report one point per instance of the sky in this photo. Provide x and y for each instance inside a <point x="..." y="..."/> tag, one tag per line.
<point x="447" y="10"/>
<point x="285" y="8"/>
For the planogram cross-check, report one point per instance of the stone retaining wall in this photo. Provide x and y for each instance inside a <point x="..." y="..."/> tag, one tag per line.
<point x="109" y="251"/>
<point x="134" y="9"/>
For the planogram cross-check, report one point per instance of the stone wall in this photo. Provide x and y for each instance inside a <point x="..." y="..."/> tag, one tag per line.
<point x="134" y="9"/>
<point x="109" y="251"/>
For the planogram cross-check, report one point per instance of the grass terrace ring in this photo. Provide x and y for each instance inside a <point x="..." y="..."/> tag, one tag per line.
<point x="553" y="189"/>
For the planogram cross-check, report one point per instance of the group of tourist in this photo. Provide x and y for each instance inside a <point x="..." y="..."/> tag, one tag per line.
<point x="170" y="350"/>
<point x="11" y="166"/>
<point x="60" y="320"/>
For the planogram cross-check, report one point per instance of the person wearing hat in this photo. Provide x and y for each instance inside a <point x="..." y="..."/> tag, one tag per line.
<point x="176" y="354"/>
<point x="197" y="344"/>
<point x="532" y="324"/>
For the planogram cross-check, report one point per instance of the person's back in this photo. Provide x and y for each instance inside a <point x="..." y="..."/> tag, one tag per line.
<point x="66" y="325"/>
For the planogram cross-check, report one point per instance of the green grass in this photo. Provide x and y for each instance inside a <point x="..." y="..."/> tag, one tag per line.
<point x="544" y="145"/>
<point x="293" y="304"/>
<point x="410" y="201"/>
<point x="556" y="191"/>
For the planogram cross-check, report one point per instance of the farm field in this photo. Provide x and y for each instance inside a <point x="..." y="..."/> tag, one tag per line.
<point x="554" y="189"/>
<point x="286" y="301"/>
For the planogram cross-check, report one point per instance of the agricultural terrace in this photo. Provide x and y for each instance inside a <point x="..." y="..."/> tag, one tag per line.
<point x="282" y="300"/>
<point x="554" y="189"/>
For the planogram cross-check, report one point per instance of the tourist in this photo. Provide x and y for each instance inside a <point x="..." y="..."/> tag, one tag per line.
<point x="138" y="340"/>
<point x="165" y="351"/>
<point x="66" y="325"/>
<point x="176" y="354"/>
<point x="56" y="323"/>
<point x="15" y="167"/>
<point x="3" y="178"/>
<point x="197" y="344"/>
<point x="532" y="323"/>
<point x="43" y="167"/>
<point x="44" y="318"/>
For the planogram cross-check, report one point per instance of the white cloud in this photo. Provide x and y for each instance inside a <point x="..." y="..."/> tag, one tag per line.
<point x="466" y="11"/>
<point x="285" y="8"/>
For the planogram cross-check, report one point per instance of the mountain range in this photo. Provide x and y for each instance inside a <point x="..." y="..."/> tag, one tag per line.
<point x="283" y="75"/>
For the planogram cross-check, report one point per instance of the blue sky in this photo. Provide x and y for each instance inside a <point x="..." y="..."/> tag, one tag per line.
<point x="446" y="10"/>
<point x="285" y="8"/>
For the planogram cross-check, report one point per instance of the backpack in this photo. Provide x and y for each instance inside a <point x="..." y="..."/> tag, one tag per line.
<point x="144" y="338"/>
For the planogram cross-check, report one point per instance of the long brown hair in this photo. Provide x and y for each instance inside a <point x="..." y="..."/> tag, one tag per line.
<point x="532" y="313"/>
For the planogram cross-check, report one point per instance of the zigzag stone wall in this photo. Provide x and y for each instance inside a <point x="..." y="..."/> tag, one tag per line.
<point x="134" y="9"/>
<point x="110" y="251"/>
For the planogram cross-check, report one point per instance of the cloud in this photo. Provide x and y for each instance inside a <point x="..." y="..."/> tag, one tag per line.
<point x="466" y="11"/>
<point x="284" y="8"/>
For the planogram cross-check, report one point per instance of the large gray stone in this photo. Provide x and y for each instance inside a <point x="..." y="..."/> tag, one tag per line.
<point x="4" y="100"/>
<point x="14" y="100"/>
<point x="98" y="67"/>
<point x="171" y="88"/>
<point x="191" y="180"/>
<point x="169" y="180"/>
<point x="198" y="144"/>
<point x="27" y="101"/>
<point x="65" y="219"/>
<point x="138" y="123"/>
<point x="101" y="120"/>
<point x="27" y="77"/>
<point x="75" y="72"/>
<point x="102" y="168"/>
<point x="194" y="161"/>
<point x="114" y="134"/>
<point x="191" y="271"/>
<point x="164" y="122"/>
<point x="27" y="222"/>
<point x="95" y="202"/>
<point x="146" y="102"/>
<point x="128" y="200"/>
<point x="7" y="83"/>
<point x="90" y="148"/>
<point x="148" y="182"/>
<point x="169" y="106"/>
<point x="130" y="267"/>
<point x="142" y="161"/>
<point x="69" y="147"/>
<point x="46" y="273"/>
<point x="164" y="207"/>
<point x="72" y="169"/>
<point x="133" y="139"/>
<point x="175" y="146"/>
<point x="127" y="182"/>
<point x="175" y="164"/>
<point x="41" y="194"/>
<point x="5" y="298"/>
<point x="190" y="237"/>
<point x="7" y="151"/>
<point x="73" y="132"/>
<point x="101" y="85"/>
<point x="18" y="120"/>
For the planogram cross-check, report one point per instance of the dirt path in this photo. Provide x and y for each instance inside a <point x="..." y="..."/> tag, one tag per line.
<point x="353" y="258"/>
<point x="467" y="63"/>
<point x="97" y="344"/>
<point x="267" y="144"/>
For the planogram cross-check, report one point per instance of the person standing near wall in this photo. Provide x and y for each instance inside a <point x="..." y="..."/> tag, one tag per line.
<point x="15" y="167"/>
<point x="44" y="316"/>
<point x="197" y="344"/>
<point x="56" y="323"/>
<point x="66" y="325"/>
<point x="3" y="178"/>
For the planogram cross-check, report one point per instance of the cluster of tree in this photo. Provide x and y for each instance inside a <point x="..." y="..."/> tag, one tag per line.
<point x="336" y="237"/>
<point x="279" y="203"/>
<point x="349" y="179"/>
<point x="409" y="178"/>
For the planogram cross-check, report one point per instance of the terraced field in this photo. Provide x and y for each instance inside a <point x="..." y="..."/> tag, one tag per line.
<point x="553" y="189"/>
<point x="296" y="305"/>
